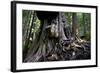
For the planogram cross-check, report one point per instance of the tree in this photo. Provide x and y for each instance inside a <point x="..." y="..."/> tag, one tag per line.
<point x="86" y="25"/>
<point x="27" y="30"/>
<point x="74" y="24"/>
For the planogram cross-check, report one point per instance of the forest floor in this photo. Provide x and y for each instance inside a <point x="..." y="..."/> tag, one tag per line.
<point x="74" y="51"/>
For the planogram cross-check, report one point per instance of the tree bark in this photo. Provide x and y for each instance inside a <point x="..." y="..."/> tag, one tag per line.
<point x="45" y="40"/>
<point x="74" y="25"/>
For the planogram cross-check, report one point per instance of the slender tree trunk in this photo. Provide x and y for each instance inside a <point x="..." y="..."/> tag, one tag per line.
<point x="84" y="24"/>
<point x="25" y="50"/>
<point x="74" y="24"/>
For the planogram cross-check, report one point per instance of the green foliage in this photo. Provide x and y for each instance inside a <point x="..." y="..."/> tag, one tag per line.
<point x="69" y="17"/>
<point x="83" y="23"/>
<point x="30" y="27"/>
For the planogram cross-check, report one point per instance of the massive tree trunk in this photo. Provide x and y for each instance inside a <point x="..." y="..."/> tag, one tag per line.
<point x="51" y="33"/>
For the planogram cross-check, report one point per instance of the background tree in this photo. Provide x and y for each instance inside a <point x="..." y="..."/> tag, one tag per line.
<point x="74" y="24"/>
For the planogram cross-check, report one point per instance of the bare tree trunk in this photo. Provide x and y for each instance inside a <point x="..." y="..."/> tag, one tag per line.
<point x="74" y="24"/>
<point x="29" y="31"/>
<point x="84" y="24"/>
<point x="51" y="32"/>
